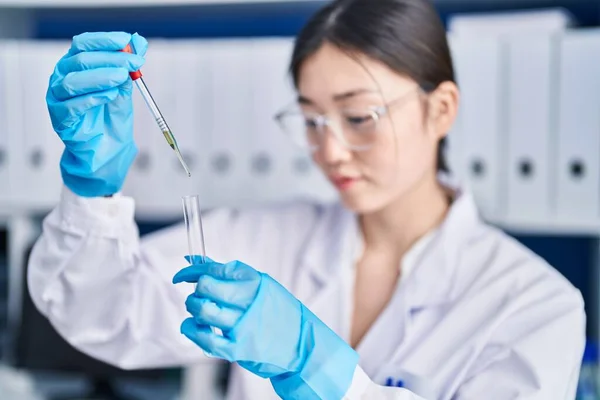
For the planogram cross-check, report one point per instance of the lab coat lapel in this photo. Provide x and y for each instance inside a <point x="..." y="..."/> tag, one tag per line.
<point x="432" y="284"/>
<point x="326" y="268"/>
<point x="385" y="335"/>
<point x="385" y="348"/>
<point x="388" y="332"/>
<point x="433" y="280"/>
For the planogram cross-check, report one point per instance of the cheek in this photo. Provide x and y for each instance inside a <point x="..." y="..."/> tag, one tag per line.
<point x="402" y="154"/>
<point x="318" y="160"/>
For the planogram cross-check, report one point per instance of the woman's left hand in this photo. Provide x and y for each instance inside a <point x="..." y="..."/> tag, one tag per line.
<point x="266" y="330"/>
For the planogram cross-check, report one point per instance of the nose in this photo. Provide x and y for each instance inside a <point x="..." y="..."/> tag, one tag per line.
<point x="332" y="148"/>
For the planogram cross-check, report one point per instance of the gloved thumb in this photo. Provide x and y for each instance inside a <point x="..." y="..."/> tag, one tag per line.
<point x="140" y="44"/>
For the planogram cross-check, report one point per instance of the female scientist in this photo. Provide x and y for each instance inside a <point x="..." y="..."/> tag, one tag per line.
<point x="399" y="292"/>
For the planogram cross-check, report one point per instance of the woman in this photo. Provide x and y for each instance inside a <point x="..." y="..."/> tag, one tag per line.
<point x="400" y="291"/>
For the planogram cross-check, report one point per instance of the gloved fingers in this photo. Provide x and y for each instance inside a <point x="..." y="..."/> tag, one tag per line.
<point x="192" y="273"/>
<point x="202" y="336"/>
<point x="90" y="81"/>
<point x="206" y="312"/>
<point x="237" y="294"/>
<point x="99" y="59"/>
<point x="237" y="270"/>
<point x="73" y="109"/>
<point x="234" y="270"/>
<point x="98" y="41"/>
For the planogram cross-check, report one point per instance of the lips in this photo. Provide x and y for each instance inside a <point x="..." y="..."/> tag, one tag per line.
<point x="343" y="182"/>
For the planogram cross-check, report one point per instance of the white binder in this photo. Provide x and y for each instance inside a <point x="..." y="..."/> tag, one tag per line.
<point x="37" y="162"/>
<point x="531" y="76"/>
<point x="269" y="149"/>
<point x="227" y="141"/>
<point x="578" y="175"/>
<point x="478" y="70"/>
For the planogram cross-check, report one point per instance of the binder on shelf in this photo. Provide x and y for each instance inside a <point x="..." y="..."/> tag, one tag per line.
<point x="530" y="98"/>
<point x="269" y="149"/>
<point x="577" y="190"/>
<point x="227" y="141"/>
<point x="478" y="68"/>
<point x="38" y="182"/>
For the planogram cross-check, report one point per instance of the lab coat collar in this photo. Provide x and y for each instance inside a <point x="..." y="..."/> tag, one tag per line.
<point x="432" y="281"/>
<point x="336" y="243"/>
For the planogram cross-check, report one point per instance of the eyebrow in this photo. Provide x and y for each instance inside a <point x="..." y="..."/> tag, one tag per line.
<point x="338" y="97"/>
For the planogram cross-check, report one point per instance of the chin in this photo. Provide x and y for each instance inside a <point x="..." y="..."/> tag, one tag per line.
<point x="360" y="204"/>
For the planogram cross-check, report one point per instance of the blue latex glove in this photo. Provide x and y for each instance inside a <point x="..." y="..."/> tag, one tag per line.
<point x="266" y="330"/>
<point x="90" y="103"/>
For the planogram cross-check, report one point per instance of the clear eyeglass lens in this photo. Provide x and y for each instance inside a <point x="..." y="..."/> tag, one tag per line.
<point x="357" y="127"/>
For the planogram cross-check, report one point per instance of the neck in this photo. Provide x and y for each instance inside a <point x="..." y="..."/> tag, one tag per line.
<point x="395" y="228"/>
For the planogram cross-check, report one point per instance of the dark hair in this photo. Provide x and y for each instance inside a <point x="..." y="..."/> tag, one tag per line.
<point x="406" y="35"/>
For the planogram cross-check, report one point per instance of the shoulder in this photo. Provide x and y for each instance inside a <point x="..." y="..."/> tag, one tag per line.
<point x="495" y="253"/>
<point x="526" y="292"/>
<point x="487" y="263"/>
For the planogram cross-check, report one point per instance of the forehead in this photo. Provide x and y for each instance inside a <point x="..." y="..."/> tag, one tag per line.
<point x="332" y="71"/>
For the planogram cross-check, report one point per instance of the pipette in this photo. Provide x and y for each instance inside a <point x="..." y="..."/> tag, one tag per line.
<point x="136" y="76"/>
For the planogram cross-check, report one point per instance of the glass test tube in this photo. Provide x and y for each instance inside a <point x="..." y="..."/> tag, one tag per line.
<point x="195" y="234"/>
<point x="193" y="224"/>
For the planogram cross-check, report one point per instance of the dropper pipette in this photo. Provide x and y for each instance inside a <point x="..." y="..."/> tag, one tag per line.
<point x="136" y="76"/>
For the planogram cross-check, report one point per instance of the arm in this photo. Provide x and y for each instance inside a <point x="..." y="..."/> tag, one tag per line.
<point x="273" y="335"/>
<point x="108" y="293"/>
<point x="104" y="291"/>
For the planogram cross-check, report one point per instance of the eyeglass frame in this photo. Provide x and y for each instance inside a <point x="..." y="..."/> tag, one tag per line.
<point x="378" y="112"/>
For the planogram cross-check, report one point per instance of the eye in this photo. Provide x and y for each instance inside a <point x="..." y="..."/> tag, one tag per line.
<point x="312" y="123"/>
<point x="360" y="120"/>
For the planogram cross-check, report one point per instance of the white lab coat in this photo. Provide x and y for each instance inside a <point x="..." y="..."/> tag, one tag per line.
<point x="475" y="315"/>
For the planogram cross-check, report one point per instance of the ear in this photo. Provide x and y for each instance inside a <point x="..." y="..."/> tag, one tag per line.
<point x="443" y="108"/>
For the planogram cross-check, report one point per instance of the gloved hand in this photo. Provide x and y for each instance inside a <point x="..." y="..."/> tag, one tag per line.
<point x="89" y="98"/>
<point x="266" y="330"/>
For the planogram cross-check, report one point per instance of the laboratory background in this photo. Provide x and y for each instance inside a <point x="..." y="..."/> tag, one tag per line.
<point x="527" y="143"/>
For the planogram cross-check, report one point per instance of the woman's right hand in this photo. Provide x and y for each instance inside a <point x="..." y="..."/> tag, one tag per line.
<point x="89" y="98"/>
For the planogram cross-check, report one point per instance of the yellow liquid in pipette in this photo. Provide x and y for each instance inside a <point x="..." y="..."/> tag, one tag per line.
<point x="171" y="140"/>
